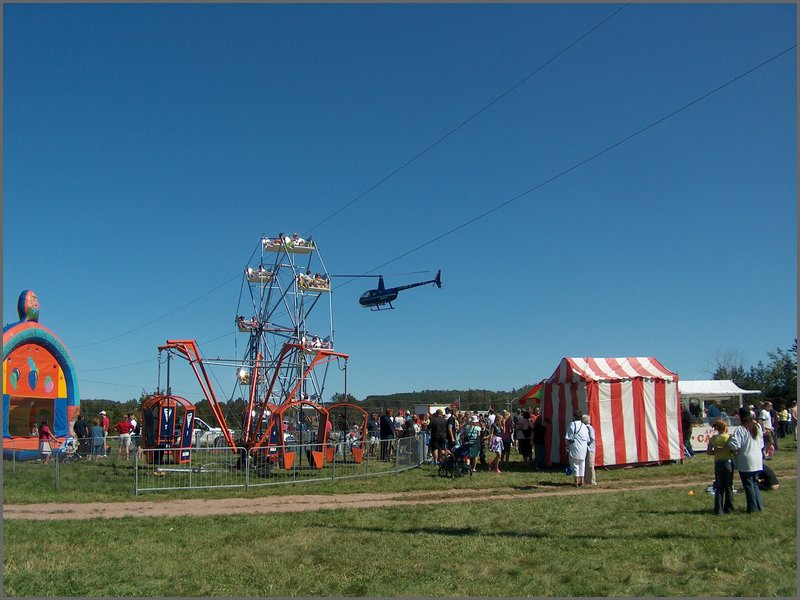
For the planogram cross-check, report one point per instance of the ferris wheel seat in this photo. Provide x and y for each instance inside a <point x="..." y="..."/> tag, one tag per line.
<point x="246" y="326"/>
<point x="278" y="245"/>
<point x="313" y="347"/>
<point x="314" y="286"/>
<point x="259" y="276"/>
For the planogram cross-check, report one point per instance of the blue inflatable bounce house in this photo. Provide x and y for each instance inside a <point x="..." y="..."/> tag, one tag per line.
<point x="39" y="382"/>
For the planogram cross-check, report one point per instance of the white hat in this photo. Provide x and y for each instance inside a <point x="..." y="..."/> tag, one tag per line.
<point x="102" y="412"/>
<point x="474" y="419"/>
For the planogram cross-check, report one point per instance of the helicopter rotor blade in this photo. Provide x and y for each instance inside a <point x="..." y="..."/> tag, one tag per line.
<point x="387" y="275"/>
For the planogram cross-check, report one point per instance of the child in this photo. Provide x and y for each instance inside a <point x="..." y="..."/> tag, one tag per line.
<point x="497" y="443"/>
<point x="45" y="437"/>
<point x="723" y="467"/>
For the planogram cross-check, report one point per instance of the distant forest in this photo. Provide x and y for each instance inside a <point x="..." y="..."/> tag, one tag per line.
<point x="467" y="399"/>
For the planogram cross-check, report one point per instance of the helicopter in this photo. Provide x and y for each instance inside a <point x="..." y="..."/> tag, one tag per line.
<point x="378" y="298"/>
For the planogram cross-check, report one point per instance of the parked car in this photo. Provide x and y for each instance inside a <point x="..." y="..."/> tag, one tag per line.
<point x="205" y="435"/>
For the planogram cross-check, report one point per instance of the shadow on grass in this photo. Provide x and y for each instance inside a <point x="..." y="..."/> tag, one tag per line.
<point x="515" y="535"/>
<point x="709" y="510"/>
<point x="560" y="484"/>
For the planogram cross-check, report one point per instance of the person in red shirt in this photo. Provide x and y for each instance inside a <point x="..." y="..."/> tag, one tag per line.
<point x="124" y="428"/>
<point x="45" y="437"/>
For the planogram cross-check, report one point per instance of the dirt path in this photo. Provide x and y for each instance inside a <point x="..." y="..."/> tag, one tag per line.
<point x="307" y="502"/>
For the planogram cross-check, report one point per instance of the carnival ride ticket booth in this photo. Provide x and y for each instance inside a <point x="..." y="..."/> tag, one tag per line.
<point x="167" y="429"/>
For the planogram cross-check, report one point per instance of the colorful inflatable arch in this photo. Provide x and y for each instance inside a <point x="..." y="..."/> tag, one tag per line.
<point x="39" y="382"/>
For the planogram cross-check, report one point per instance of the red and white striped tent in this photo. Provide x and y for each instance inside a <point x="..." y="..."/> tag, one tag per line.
<point x="633" y="404"/>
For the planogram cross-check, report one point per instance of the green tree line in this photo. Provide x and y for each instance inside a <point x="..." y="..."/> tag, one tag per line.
<point x="776" y="380"/>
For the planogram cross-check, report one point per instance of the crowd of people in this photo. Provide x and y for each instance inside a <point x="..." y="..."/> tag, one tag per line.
<point x="477" y="436"/>
<point x="92" y="436"/>
<point x="777" y="422"/>
<point x="485" y="438"/>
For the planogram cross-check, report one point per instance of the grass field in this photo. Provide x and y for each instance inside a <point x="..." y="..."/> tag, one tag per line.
<point x="661" y="542"/>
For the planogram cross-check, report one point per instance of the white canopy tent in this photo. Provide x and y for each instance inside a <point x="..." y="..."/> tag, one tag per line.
<point x="708" y="390"/>
<point x="699" y="392"/>
<point x="711" y="388"/>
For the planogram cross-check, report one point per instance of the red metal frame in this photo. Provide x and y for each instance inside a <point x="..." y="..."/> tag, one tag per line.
<point x="252" y="401"/>
<point x="276" y="420"/>
<point x="192" y="353"/>
<point x="189" y="349"/>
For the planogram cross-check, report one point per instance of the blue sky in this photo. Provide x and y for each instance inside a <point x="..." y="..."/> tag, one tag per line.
<point x="147" y="148"/>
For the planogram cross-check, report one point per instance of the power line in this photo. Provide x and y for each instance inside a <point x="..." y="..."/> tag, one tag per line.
<point x="133" y="364"/>
<point x="114" y="384"/>
<point x="119" y="335"/>
<point x="142" y="362"/>
<point x="390" y="175"/>
<point x="584" y="161"/>
<point x="467" y="120"/>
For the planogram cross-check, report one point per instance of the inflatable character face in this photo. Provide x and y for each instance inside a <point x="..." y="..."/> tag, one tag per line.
<point x="28" y="306"/>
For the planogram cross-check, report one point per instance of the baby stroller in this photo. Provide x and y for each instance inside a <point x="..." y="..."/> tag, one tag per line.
<point x="68" y="451"/>
<point x="454" y="465"/>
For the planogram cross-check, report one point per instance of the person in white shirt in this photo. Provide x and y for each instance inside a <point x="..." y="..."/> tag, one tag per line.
<point x="747" y="443"/>
<point x="135" y="437"/>
<point x="589" y="477"/>
<point x="578" y="440"/>
<point x="399" y="425"/>
<point x="765" y="420"/>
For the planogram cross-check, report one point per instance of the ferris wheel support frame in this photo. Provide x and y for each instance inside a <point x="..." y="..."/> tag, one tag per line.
<point x="252" y="400"/>
<point x="321" y="356"/>
<point x="190" y="351"/>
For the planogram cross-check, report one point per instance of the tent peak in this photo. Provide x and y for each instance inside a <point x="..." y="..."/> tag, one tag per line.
<point x="574" y="369"/>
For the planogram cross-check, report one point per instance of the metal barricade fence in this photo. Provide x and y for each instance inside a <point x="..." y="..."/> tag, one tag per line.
<point x="61" y="457"/>
<point x="203" y="468"/>
<point x="81" y="447"/>
<point x="10" y="453"/>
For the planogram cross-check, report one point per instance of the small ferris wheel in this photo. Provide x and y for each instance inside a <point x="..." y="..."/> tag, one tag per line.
<point x="286" y="313"/>
<point x="286" y="320"/>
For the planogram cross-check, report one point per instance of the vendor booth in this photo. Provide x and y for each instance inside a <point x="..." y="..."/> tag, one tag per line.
<point x="698" y="395"/>
<point x="632" y="402"/>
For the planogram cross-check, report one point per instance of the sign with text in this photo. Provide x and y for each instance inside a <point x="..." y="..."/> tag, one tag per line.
<point x="701" y="434"/>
